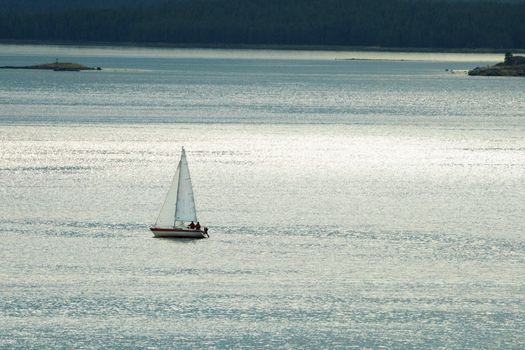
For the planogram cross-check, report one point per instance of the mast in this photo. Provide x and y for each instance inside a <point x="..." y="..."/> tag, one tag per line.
<point x="178" y="186"/>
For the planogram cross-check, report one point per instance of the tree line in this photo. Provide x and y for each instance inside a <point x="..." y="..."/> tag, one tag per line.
<point x="385" y="23"/>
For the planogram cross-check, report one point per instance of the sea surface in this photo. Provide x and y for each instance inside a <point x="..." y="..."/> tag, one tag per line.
<point x="355" y="200"/>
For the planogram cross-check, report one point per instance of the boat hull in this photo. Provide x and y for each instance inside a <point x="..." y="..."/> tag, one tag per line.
<point x="178" y="233"/>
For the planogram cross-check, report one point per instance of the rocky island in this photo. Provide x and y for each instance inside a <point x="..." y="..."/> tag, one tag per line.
<point x="56" y="66"/>
<point x="513" y="66"/>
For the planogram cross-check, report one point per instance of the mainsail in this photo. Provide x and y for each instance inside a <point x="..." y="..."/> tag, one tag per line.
<point x="179" y="205"/>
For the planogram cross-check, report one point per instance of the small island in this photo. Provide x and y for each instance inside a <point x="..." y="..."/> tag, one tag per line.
<point x="513" y="66"/>
<point x="56" y="66"/>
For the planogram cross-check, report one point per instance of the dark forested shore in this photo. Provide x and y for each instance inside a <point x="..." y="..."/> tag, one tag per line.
<point x="339" y="23"/>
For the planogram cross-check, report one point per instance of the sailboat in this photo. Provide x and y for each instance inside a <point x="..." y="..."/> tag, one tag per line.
<point x="179" y="207"/>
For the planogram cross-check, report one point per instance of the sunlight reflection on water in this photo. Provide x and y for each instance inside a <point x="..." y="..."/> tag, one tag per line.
<point x="350" y="205"/>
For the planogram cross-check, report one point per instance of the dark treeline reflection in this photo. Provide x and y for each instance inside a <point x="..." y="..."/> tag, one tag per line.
<point x="388" y="23"/>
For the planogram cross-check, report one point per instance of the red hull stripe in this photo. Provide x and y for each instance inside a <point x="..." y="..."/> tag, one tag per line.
<point x="154" y="229"/>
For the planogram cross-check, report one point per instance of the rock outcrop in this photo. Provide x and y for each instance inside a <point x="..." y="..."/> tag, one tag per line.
<point x="56" y="66"/>
<point x="513" y="66"/>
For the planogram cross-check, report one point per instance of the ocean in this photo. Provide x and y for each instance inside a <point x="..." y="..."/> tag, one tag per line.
<point x="354" y="200"/>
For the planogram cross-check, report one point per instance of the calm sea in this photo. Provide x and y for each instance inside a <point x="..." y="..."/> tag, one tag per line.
<point x="369" y="203"/>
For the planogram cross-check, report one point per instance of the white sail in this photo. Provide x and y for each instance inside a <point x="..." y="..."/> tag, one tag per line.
<point x="185" y="208"/>
<point x="166" y="218"/>
<point x="179" y="205"/>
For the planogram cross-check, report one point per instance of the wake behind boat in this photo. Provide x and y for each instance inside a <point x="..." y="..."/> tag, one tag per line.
<point x="179" y="208"/>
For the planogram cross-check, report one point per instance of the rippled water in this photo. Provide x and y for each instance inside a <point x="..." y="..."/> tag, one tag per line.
<point x="351" y="204"/>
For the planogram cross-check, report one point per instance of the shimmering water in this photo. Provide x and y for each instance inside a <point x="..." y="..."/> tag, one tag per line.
<point x="351" y="204"/>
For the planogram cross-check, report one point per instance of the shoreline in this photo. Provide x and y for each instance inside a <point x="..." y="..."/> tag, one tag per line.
<point x="273" y="47"/>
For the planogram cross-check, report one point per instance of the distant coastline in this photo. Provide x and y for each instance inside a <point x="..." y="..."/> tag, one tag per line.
<point x="276" y="47"/>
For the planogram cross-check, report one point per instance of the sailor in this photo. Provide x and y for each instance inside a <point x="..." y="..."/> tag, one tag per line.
<point x="198" y="226"/>
<point x="192" y="225"/>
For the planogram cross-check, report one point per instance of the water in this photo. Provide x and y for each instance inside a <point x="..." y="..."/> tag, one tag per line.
<point x="351" y="204"/>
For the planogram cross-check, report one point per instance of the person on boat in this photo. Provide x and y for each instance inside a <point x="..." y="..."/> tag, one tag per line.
<point x="198" y="226"/>
<point x="192" y="225"/>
